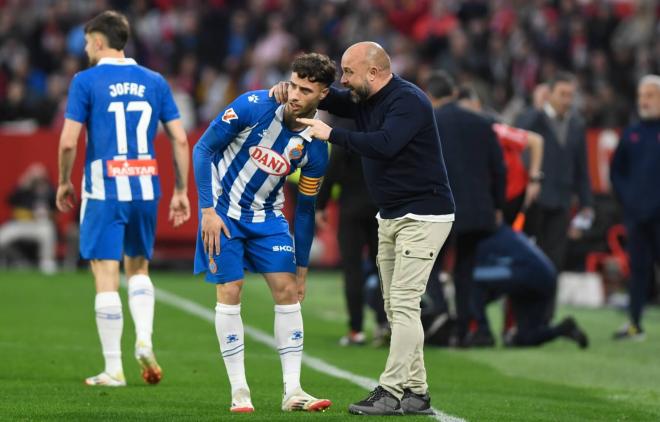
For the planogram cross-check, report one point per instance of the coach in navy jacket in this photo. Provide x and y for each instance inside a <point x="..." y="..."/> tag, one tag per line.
<point x="635" y="174"/>
<point x="398" y="140"/>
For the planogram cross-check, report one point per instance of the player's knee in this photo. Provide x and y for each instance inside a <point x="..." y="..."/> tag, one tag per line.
<point x="136" y="265"/>
<point x="229" y="293"/>
<point x="286" y="293"/>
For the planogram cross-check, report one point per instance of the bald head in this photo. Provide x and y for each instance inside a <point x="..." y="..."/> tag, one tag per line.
<point x="366" y="69"/>
<point x="370" y="52"/>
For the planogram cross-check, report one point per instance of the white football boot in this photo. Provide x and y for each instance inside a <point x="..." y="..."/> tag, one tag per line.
<point x="298" y="400"/>
<point x="241" y="402"/>
<point x="151" y="371"/>
<point x="106" y="380"/>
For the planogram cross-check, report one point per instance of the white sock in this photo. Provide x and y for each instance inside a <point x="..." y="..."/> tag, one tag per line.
<point x="141" y="303"/>
<point x="289" y="338"/>
<point x="110" y="323"/>
<point x="229" y="328"/>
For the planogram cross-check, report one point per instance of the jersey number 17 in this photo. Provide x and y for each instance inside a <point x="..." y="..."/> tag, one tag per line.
<point x="117" y="107"/>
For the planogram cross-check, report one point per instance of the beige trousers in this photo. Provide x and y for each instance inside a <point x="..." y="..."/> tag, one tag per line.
<point x="407" y="250"/>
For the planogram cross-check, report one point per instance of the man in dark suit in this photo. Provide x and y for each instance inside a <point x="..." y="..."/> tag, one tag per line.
<point x="564" y="170"/>
<point x="475" y="167"/>
<point x="357" y="229"/>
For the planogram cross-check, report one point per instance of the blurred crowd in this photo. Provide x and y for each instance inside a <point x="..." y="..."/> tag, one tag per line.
<point x="210" y="51"/>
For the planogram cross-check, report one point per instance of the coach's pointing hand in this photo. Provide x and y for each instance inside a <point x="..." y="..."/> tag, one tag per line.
<point x="319" y="129"/>
<point x="212" y="225"/>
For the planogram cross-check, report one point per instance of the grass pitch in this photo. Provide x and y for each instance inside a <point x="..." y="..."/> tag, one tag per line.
<point x="48" y="345"/>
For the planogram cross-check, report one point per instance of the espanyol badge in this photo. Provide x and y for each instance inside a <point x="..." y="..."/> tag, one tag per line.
<point x="213" y="267"/>
<point x="296" y="152"/>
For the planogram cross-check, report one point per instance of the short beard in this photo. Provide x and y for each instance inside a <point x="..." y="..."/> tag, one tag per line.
<point x="648" y="115"/>
<point x="359" y="94"/>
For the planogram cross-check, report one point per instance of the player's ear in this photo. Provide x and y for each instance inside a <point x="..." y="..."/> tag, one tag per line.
<point x="99" y="41"/>
<point x="324" y="92"/>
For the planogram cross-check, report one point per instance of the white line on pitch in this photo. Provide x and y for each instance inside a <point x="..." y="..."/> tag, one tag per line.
<point x="317" y="364"/>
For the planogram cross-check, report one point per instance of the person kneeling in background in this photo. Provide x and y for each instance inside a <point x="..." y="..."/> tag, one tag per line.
<point x="508" y="263"/>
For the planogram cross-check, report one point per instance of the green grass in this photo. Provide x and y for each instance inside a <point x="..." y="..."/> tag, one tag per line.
<point x="48" y="344"/>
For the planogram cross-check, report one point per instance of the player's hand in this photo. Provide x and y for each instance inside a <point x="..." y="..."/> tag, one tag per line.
<point x="179" y="209"/>
<point x="280" y="92"/>
<point x="66" y="197"/>
<point x="301" y="281"/>
<point x="319" y="129"/>
<point x="532" y="192"/>
<point x="212" y="225"/>
<point x="321" y="218"/>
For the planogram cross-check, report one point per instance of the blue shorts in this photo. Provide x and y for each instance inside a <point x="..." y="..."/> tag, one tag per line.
<point x="265" y="247"/>
<point x="110" y="229"/>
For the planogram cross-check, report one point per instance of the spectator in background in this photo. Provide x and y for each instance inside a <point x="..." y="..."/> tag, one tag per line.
<point x="358" y="229"/>
<point x="510" y="45"/>
<point x="564" y="169"/>
<point x="635" y="173"/>
<point x="16" y="107"/>
<point x="33" y="203"/>
<point x="477" y="176"/>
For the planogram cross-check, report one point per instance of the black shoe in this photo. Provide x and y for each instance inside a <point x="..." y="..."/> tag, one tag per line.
<point x="379" y="402"/>
<point x="479" y="339"/>
<point x="630" y="331"/>
<point x="570" y="330"/>
<point x="416" y="404"/>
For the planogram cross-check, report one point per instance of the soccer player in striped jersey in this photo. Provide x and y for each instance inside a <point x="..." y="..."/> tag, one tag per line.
<point x="120" y="103"/>
<point x="240" y="164"/>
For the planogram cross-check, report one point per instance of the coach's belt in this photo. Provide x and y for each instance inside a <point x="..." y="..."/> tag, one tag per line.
<point x="118" y="168"/>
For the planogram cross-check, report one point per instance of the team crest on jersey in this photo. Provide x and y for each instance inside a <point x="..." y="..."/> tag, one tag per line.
<point x="296" y="152"/>
<point x="229" y="115"/>
<point x="269" y="161"/>
<point x="213" y="267"/>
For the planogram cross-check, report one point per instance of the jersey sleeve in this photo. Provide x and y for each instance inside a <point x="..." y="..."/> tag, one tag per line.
<point x="234" y="118"/>
<point x="78" y="101"/>
<point x="168" y="109"/>
<point x="308" y="186"/>
<point x="511" y="137"/>
<point x="217" y="137"/>
<point x="317" y="160"/>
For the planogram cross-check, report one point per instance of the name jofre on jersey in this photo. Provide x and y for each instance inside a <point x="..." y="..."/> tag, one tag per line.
<point x="126" y="88"/>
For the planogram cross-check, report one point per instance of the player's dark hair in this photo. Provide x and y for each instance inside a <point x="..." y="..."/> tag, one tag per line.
<point x="466" y="92"/>
<point x="315" y="67"/>
<point x="113" y="25"/>
<point x="440" y="84"/>
<point x="561" y="76"/>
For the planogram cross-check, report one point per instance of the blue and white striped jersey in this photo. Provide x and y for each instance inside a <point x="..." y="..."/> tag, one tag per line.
<point x="121" y="104"/>
<point x="252" y="153"/>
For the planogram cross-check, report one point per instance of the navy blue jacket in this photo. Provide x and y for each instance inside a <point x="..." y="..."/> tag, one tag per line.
<point x="398" y="140"/>
<point x="475" y="166"/>
<point x="635" y="171"/>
